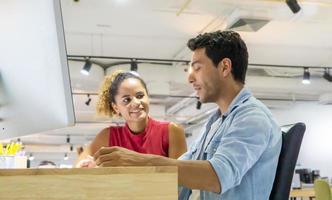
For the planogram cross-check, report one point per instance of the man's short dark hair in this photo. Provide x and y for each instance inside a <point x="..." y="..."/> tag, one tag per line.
<point x="224" y="44"/>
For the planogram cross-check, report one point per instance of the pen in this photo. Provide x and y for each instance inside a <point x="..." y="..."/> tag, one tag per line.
<point x="7" y="149"/>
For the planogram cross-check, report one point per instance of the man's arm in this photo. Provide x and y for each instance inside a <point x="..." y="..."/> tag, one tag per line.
<point x="194" y="174"/>
<point x="198" y="174"/>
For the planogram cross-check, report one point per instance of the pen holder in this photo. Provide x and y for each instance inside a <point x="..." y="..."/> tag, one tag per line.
<point x="7" y="162"/>
<point x="13" y="162"/>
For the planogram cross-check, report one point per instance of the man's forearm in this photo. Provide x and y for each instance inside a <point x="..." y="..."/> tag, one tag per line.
<point x="194" y="174"/>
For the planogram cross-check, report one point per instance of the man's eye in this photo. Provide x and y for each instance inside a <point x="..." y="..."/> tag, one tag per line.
<point x="196" y="68"/>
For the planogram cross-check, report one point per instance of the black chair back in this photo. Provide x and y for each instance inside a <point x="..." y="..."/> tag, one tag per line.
<point x="291" y="143"/>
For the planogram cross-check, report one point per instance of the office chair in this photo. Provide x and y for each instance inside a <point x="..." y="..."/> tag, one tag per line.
<point x="291" y="143"/>
<point x="322" y="190"/>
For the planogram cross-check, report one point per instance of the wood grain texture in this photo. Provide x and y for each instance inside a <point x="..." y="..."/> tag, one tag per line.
<point x="141" y="183"/>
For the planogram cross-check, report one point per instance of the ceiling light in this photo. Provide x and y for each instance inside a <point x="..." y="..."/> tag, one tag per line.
<point x="133" y="65"/>
<point x="293" y="5"/>
<point x="86" y="67"/>
<point x="66" y="157"/>
<point x="88" y="101"/>
<point x="68" y="139"/>
<point x="327" y="75"/>
<point x="306" y="76"/>
<point x="31" y="157"/>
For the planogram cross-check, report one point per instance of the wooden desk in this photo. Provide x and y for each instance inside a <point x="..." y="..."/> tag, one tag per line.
<point x="142" y="183"/>
<point x="303" y="193"/>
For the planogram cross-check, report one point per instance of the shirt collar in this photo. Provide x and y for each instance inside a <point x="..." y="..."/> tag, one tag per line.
<point x="240" y="98"/>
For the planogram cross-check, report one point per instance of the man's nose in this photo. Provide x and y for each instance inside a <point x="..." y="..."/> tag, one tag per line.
<point x="190" y="76"/>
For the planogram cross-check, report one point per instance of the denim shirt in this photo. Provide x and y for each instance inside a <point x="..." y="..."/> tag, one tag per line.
<point x="243" y="150"/>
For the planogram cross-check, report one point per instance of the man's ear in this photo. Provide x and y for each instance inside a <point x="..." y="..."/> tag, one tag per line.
<point x="225" y="66"/>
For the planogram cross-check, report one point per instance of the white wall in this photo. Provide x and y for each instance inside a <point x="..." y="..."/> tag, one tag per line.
<point x="316" y="149"/>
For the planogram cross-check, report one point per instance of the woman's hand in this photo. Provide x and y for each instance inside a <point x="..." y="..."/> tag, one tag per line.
<point x="118" y="156"/>
<point x="88" y="162"/>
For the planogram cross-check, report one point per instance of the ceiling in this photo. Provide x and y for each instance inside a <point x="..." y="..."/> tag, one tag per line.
<point x="161" y="28"/>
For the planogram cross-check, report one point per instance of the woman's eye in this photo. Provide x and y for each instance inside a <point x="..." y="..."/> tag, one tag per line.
<point x="126" y="100"/>
<point x="140" y="96"/>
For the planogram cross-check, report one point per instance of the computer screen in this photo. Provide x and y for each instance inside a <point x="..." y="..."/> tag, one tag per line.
<point x="35" y="91"/>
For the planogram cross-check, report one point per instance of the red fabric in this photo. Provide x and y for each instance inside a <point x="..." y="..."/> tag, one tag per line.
<point x="153" y="140"/>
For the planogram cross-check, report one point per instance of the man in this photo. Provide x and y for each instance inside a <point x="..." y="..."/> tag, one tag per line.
<point x="236" y="156"/>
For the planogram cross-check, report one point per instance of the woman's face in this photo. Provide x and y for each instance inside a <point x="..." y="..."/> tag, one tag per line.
<point x="132" y="101"/>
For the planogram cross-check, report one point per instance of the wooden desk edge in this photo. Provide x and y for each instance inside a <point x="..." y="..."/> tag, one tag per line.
<point x="304" y="192"/>
<point x="89" y="171"/>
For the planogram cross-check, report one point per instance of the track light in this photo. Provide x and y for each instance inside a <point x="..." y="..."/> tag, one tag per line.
<point x="293" y="5"/>
<point x="306" y="76"/>
<point x="327" y="75"/>
<point x="71" y="148"/>
<point x="66" y="157"/>
<point x="198" y="104"/>
<point x="133" y="65"/>
<point x="86" y="67"/>
<point x="68" y="139"/>
<point x="31" y="157"/>
<point x="88" y="101"/>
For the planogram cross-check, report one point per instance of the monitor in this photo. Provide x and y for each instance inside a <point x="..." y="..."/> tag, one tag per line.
<point x="35" y="91"/>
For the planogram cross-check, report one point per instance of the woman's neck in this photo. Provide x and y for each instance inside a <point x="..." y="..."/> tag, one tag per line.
<point x="138" y="127"/>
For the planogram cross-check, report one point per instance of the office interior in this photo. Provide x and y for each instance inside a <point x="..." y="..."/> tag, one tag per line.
<point x="290" y="67"/>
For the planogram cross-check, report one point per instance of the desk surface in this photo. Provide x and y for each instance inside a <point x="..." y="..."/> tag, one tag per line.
<point x="126" y="183"/>
<point x="304" y="192"/>
<point x="89" y="171"/>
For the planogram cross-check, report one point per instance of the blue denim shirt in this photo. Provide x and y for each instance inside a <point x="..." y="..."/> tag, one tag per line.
<point x="243" y="151"/>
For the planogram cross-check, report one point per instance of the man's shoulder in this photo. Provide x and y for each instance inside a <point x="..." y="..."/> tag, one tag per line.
<point x="253" y="107"/>
<point x="253" y="112"/>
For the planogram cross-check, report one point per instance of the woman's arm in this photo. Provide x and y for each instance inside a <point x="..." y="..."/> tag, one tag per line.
<point x="177" y="141"/>
<point x="101" y="140"/>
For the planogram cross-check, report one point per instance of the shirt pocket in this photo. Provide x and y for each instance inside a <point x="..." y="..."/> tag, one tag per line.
<point x="211" y="149"/>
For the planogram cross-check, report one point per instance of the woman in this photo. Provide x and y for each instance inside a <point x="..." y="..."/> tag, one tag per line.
<point x="125" y="94"/>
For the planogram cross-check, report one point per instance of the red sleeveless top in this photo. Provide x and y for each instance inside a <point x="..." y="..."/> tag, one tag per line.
<point x="153" y="140"/>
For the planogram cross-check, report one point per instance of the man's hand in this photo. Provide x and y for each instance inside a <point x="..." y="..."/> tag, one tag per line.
<point x="118" y="156"/>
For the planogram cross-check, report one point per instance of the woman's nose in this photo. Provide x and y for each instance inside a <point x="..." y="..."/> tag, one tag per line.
<point x="136" y="101"/>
